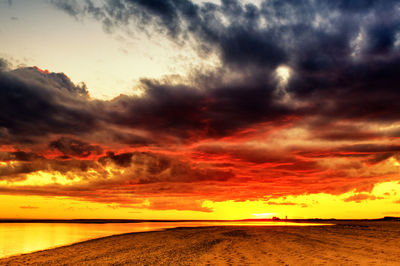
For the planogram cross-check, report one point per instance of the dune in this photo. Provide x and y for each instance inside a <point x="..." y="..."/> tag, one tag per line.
<point x="345" y="243"/>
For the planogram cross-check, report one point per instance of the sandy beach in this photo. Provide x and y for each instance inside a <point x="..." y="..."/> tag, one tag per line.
<point x="346" y="243"/>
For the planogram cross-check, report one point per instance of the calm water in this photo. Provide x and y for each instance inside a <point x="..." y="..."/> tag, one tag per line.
<point x="18" y="238"/>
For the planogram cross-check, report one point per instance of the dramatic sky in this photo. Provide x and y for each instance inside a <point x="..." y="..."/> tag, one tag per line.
<point x="185" y="109"/>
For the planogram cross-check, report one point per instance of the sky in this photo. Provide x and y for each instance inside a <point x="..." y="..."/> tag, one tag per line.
<point x="183" y="109"/>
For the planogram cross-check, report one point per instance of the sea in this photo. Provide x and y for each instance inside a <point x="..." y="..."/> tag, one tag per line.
<point x="18" y="237"/>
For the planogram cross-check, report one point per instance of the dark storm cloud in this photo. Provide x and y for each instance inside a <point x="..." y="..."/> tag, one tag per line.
<point x="24" y="163"/>
<point x="73" y="147"/>
<point x="35" y="103"/>
<point x="128" y="168"/>
<point x="113" y="177"/>
<point x="18" y="156"/>
<point x="71" y="7"/>
<point x="186" y="111"/>
<point x="366" y="91"/>
<point x="265" y="35"/>
<point x="237" y="42"/>
<point x="19" y="163"/>
<point x="3" y="64"/>
<point x="148" y="168"/>
<point x="123" y="159"/>
<point x="339" y="75"/>
<point x="171" y="108"/>
<point x="129" y="139"/>
<point x="344" y="58"/>
<point x="344" y="55"/>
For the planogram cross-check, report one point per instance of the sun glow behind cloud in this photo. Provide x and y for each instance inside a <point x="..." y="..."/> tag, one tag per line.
<point x="283" y="73"/>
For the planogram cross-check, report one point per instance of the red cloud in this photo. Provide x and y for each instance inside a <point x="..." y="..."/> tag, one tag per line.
<point x="28" y="207"/>
<point x="361" y="197"/>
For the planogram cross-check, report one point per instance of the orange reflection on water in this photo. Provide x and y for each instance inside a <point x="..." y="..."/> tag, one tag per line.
<point x="18" y="238"/>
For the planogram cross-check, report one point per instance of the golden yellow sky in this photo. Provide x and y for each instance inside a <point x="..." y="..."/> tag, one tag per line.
<point x="382" y="201"/>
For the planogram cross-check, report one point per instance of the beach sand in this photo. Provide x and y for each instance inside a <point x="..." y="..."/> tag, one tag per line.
<point x="346" y="243"/>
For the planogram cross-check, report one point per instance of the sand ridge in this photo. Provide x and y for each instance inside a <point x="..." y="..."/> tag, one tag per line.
<point x="347" y="243"/>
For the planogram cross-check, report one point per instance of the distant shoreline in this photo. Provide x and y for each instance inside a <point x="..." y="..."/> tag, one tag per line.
<point x="104" y="221"/>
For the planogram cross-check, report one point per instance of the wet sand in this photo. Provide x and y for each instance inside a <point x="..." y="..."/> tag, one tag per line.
<point x="346" y="243"/>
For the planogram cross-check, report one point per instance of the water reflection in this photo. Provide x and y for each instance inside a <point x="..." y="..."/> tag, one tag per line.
<point x="18" y="238"/>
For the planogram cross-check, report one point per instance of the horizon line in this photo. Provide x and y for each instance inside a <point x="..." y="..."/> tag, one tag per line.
<point x="29" y="220"/>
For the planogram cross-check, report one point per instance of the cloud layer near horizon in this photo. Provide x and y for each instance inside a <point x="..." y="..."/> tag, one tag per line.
<point x="243" y="131"/>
